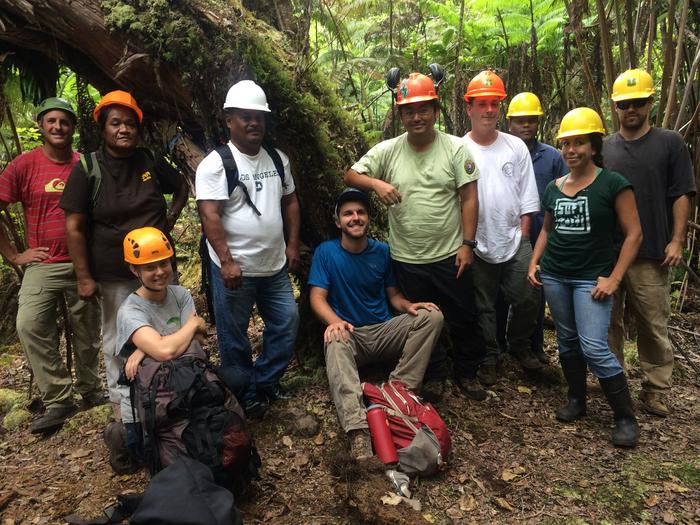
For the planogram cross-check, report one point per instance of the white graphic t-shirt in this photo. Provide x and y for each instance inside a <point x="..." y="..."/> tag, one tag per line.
<point x="256" y="242"/>
<point x="507" y="189"/>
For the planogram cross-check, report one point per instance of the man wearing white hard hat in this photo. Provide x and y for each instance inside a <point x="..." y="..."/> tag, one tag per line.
<point x="250" y="214"/>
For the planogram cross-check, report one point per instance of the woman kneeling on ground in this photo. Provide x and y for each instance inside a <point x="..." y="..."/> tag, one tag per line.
<point x="575" y="260"/>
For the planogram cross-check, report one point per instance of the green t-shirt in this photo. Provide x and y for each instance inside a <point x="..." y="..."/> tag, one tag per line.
<point x="580" y="244"/>
<point x="426" y="226"/>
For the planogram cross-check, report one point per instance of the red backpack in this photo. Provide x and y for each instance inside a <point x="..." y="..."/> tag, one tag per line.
<point x="420" y="435"/>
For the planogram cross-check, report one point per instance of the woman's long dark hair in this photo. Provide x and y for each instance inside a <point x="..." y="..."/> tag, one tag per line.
<point x="597" y="145"/>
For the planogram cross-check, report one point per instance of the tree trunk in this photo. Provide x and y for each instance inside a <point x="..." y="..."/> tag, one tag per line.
<point x="178" y="60"/>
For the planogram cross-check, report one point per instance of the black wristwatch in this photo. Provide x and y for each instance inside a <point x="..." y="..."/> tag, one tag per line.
<point x="470" y="242"/>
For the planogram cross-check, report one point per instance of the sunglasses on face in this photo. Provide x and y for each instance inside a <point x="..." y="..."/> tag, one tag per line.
<point x="636" y="102"/>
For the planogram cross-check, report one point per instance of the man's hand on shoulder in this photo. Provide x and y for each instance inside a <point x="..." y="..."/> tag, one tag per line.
<point x="337" y="331"/>
<point x="674" y="253"/>
<point x="31" y="255"/>
<point x="231" y="274"/>
<point x="414" y="307"/>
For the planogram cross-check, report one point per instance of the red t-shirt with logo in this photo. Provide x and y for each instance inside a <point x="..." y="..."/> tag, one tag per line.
<point x="37" y="182"/>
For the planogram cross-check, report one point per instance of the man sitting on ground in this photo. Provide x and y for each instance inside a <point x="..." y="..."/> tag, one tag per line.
<point x="352" y="284"/>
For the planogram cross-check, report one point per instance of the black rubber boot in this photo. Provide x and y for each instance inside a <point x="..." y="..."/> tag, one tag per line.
<point x="574" y="368"/>
<point x="626" y="432"/>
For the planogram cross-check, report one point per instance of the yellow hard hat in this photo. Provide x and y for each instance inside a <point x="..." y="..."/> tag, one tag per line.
<point x="633" y="83"/>
<point x="580" y="121"/>
<point x="146" y="245"/>
<point x="523" y="105"/>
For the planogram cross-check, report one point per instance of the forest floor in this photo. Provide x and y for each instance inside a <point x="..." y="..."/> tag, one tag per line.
<point x="512" y="462"/>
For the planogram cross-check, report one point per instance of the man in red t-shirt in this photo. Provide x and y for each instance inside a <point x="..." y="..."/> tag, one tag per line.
<point x="36" y="180"/>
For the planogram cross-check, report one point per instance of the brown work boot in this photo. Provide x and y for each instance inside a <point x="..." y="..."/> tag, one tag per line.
<point x="528" y="361"/>
<point x="53" y="419"/>
<point x="93" y="399"/>
<point x="433" y="391"/>
<point x="487" y="374"/>
<point x="653" y="403"/>
<point x="471" y="388"/>
<point x="360" y="444"/>
<point x="120" y="458"/>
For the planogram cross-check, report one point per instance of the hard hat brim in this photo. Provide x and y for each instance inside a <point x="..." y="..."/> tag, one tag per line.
<point x="133" y="107"/>
<point x="413" y="100"/>
<point x="577" y="132"/>
<point x="254" y="107"/>
<point x="632" y="96"/>
<point x="526" y="113"/>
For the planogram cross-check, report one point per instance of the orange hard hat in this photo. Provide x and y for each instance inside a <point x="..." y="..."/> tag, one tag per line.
<point x="486" y="84"/>
<point x="416" y="88"/>
<point x="146" y="245"/>
<point x="118" y="98"/>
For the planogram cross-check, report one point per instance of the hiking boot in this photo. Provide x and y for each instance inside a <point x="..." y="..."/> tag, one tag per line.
<point x="255" y="408"/>
<point x="528" y="361"/>
<point x="574" y="368"/>
<point x="53" y="419"/>
<point x="360" y="444"/>
<point x="93" y="399"/>
<point x="487" y="374"/>
<point x="626" y="431"/>
<point x="653" y="403"/>
<point x="275" y="393"/>
<point x="471" y="388"/>
<point x="541" y="356"/>
<point x="433" y="391"/>
<point x="119" y="457"/>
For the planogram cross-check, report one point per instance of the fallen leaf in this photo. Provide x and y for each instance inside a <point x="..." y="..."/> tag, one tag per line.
<point x="429" y="518"/>
<point x="301" y="460"/>
<point x="512" y="473"/>
<point x="467" y="503"/>
<point x="652" y="500"/>
<point x="318" y="440"/>
<point x="675" y="487"/>
<point x="454" y="513"/>
<point x="391" y="499"/>
<point x="287" y="441"/>
<point x="332" y="435"/>
<point x="669" y="517"/>
<point x="584" y="483"/>
<point x="524" y="390"/>
<point x="501" y="502"/>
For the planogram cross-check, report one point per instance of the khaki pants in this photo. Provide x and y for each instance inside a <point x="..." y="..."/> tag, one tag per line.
<point x="646" y="287"/>
<point x="43" y="285"/>
<point x="113" y="295"/>
<point x="406" y="338"/>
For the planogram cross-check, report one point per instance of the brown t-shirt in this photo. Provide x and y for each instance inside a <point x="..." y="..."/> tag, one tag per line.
<point x="130" y="196"/>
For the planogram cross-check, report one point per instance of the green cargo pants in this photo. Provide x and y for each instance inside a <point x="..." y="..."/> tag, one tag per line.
<point x="37" y="328"/>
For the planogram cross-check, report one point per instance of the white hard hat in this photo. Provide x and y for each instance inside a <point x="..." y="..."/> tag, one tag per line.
<point x="246" y="94"/>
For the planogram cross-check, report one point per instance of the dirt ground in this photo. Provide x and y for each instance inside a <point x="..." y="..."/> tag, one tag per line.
<point x="512" y="462"/>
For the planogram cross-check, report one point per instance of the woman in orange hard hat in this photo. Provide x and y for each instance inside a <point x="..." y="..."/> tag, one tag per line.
<point x="110" y="192"/>
<point x="574" y="259"/>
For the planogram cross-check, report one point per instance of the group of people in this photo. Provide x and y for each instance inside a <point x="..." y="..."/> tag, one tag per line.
<point x="482" y="229"/>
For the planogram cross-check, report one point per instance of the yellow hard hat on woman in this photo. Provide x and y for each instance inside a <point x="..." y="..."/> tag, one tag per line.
<point x="580" y="121"/>
<point x="524" y="105"/>
<point x="146" y="245"/>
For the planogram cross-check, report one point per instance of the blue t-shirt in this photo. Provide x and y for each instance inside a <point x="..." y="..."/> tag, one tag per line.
<point x="356" y="282"/>
<point x="548" y="165"/>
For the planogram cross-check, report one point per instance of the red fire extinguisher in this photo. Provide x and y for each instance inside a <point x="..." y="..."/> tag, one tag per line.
<point x="381" y="434"/>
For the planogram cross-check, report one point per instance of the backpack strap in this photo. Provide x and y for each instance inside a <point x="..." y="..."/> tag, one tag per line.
<point x="232" y="179"/>
<point x="277" y="161"/>
<point x="94" y="175"/>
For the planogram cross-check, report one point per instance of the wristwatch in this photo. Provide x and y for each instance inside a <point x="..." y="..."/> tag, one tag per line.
<point x="470" y="242"/>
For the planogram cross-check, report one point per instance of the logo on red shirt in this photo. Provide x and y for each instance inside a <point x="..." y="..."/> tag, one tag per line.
<point x="55" y="186"/>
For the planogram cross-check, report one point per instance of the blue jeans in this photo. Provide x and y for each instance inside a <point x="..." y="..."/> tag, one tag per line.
<point x="581" y="322"/>
<point x="232" y="309"/>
